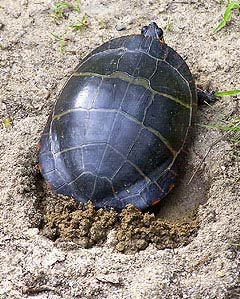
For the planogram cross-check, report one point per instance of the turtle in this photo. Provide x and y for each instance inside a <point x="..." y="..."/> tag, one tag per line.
<point x="120" y="123"/>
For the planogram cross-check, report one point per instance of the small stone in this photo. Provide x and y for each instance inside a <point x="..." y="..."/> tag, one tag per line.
<point x="111" y="278"/>
<point x="130" y="21"/>
<point x="120" y="246"/>
<point x="1" y="26"/>
<point x="24" y="2"/>
<point x="220" y="274"/>
<point x="120" y="27"/>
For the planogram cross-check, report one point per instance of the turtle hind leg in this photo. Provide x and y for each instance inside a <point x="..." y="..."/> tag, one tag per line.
<point x="205" y="96"/>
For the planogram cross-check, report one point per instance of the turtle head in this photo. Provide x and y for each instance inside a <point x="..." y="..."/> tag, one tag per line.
<point x="153" y="30"/>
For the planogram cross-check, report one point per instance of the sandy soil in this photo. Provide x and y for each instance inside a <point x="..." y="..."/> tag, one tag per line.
<point x="42" y="253"/>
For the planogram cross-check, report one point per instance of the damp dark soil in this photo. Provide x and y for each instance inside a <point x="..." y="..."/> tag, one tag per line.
<point x="68" y="223"/>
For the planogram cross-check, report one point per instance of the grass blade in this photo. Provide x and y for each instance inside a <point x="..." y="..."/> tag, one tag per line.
<point x="223" y="128"/>
<point x="227" y="15"/>
<point x="227" y="93"/>
<point x="220" y="26"/>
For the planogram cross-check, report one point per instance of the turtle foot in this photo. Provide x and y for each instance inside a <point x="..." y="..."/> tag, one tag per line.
<point x="205" y="96"/>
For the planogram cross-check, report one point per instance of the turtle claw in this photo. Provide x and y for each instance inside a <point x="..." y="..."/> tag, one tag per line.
<point x="205" y="96"/>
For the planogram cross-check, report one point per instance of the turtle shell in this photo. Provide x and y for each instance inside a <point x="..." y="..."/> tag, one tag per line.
<point x="119" y="124"/>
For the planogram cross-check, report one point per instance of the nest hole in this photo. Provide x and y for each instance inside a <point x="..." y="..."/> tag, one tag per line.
<point x="170" y="224"/>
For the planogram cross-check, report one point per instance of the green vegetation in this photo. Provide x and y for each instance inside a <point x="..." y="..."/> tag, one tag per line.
<point x="231" y="5"/>
<point x="232" y="133"/>
<point x="59" y="8"/>
<point x="235" y="244"/>
<point x="227" y="93"/>
<point x="80" y="24"/>
<point x="231" y="126"/>
<point x="77" y="6"/>
<point x="169" y="25"/>
<point x="59" y="12"/>
<point x="61" y="40"/>
<point x="7" y="123"/>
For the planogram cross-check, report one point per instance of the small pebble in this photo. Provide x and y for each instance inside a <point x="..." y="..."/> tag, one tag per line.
<point x="130" y="21"/>
<point x="110" y="278"/>
<point x="120" y="27"/>
<point x="220" y="274"/>
<point x="1" y="26"/>
<point x="24" y="2"/>
<point x="120" y="246"/>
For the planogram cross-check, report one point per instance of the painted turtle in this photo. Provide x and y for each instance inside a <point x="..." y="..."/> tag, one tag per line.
<point x="120" y="123"/>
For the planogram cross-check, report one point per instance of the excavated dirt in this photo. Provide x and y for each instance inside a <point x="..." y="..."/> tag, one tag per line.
<point x="63" y="220"/>
<point x="51" y="247"/>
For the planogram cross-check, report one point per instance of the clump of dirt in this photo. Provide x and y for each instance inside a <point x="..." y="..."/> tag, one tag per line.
<point x="136" y="230"/>
<point x="63" y="220"/>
